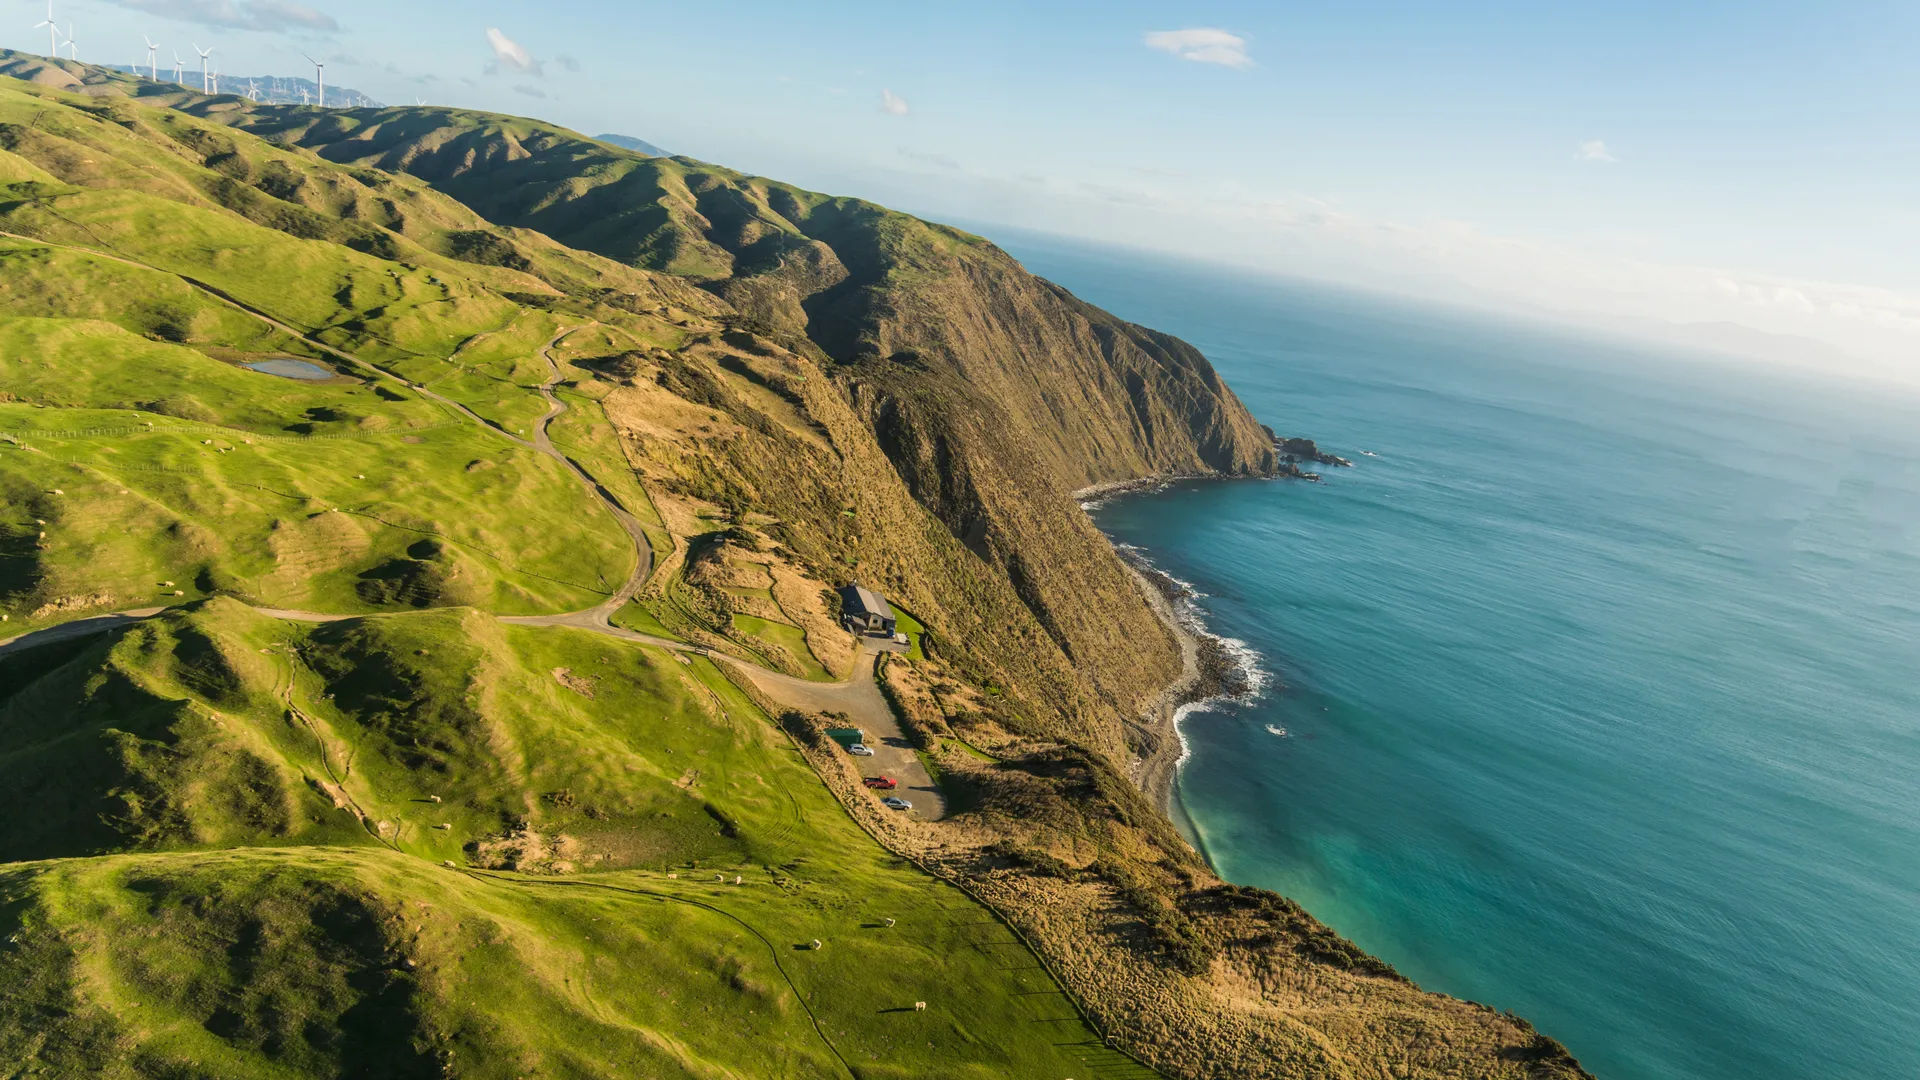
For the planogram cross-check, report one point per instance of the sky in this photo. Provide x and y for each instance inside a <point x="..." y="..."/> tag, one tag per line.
<point x="1625" y="164"/>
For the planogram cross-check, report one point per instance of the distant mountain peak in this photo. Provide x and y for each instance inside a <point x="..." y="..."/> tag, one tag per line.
<point x="628" y="142"/>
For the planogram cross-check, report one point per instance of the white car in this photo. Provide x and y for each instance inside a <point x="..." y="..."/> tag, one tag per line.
<point x="860" y="750"/>
<point x="895" y="803"/>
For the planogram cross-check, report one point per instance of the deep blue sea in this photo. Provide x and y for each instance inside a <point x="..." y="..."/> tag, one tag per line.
<point x="1599" y="684"/>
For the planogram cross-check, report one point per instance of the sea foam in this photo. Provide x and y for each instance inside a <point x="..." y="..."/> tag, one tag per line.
<point x="1232" y="671"/>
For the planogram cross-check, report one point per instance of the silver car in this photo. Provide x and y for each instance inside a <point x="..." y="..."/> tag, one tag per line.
<point x="894" y="802"/>
<point x="860" y="750"/>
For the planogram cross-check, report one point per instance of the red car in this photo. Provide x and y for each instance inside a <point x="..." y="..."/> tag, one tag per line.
<point x="882" y="783"/>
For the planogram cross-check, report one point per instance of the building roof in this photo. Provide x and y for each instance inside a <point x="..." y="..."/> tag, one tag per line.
<point x="860" y="600"/>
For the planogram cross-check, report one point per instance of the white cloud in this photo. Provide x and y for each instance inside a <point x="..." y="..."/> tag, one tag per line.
<point x="891" y="105"/>
<point x="272" y="16"/>
<point x="508" y="52"/>
<point x="1203" y="45"/>
<point x="1595" y="150"/>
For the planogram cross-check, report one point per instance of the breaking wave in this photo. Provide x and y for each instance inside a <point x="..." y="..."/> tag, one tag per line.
<point x="1233" y="674"/>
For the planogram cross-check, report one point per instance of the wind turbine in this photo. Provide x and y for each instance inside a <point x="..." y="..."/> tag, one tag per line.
<point x="73" y="47"/>
<point x="153" y="58"/>
<point x="179" y="69"/>
<point x="53" y="32"/>
<point x="305" y="98"/>
<point x="253" y="90"/>
<point x="205" y="86"/>
<point x="319" y="76"/>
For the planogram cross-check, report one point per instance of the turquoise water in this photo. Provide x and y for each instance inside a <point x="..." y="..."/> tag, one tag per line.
<point x="1600" y="683"/>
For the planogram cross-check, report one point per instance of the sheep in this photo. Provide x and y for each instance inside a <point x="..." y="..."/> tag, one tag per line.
<point x="919" y="1006"/>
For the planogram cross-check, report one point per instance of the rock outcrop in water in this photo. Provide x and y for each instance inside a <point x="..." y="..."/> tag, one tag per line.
<point x="1294" y="450"/>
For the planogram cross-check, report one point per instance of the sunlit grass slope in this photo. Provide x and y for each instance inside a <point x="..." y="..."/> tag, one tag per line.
<point x="44" y="281"/>
<point x="328" y="938"/>
<point x="140" y="452"/>
<point x="161" y="464"/>
<point x="380" y="265"/>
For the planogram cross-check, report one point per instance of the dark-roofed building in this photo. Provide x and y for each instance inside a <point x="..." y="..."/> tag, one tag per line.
<point x="866" y="612"/>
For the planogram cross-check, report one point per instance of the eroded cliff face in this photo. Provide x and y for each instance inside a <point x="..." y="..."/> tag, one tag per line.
<point x="782" y="441"/>
<point x="989" y="394"/>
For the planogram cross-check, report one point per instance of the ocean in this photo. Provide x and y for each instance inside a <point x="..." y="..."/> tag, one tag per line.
<point x="1591" y="692"/>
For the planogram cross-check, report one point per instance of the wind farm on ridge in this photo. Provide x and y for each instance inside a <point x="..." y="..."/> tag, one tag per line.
<point x="264" y="89"/>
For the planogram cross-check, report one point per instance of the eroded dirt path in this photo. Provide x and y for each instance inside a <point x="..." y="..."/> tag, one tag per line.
<point x="67" y="631"/>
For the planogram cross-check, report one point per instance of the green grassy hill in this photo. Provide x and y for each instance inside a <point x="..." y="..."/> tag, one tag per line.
<point x="262" y="801"/>
<point x="141" y="276"/>
<point x="230" y="830"/>
<point x="129" y="462"/>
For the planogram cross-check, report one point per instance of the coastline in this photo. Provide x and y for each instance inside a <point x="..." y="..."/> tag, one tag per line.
<point x="1157" y="769"/>
<point x="1093" y="495"/>
<point x="1214" y="669"/>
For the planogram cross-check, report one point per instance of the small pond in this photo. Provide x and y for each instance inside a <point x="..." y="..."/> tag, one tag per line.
<point x="291" y="369"/>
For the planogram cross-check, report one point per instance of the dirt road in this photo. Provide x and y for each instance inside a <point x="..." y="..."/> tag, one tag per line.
<point x="863" y="703"/>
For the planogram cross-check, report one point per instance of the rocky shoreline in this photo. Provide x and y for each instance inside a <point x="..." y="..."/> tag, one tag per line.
<point x="1290" y="454"/>
<point x="1208" y="672"/>
<point x="1098" y="493"/>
